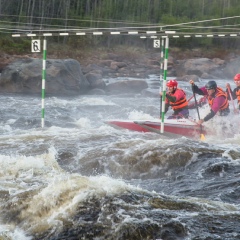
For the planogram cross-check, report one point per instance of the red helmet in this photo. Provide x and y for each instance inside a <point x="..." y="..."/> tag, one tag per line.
<point x="172" y="83"/>
<point x="237" y="77"/>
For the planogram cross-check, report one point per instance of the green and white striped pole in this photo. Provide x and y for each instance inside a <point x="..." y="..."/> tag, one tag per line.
<point x="44" y="78"/>
<point x="161" y="73"/>
<point x="164" y="82"/>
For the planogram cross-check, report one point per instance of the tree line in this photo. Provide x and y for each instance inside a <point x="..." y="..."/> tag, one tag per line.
<point x="140" y="11"/>
<point x="60" y="14"/>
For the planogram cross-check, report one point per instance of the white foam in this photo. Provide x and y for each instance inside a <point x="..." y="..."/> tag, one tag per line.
<point x="25" y="167"/>
<point x="8" y="232"/>
<point x="139" y="115"/>
<point x="94" y="101"/>
<point x="83" y="123"/>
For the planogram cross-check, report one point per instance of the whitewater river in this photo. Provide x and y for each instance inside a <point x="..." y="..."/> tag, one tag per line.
<point x="79" y="178"/>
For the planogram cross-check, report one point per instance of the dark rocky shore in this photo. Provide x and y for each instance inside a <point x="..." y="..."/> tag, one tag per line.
<point x="67" y="76"/>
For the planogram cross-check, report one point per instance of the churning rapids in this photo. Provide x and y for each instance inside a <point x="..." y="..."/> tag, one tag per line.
<point x="79" y="178"/>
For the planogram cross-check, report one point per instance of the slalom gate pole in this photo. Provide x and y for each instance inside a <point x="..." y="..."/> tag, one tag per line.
<point x="164" y="82"/>
<point x="44" y="78"/>
<point x="161" y="73"/>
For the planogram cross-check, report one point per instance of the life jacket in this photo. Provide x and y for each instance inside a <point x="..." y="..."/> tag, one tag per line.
<point x="181" y="103"/>
<point x="219" y="92"/>
<point x="238" y="94"/>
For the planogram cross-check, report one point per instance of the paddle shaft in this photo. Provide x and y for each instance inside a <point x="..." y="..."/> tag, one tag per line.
<point x="190" y="98"/>
<point x="230" y="94"/>
<point x="196" y="105"/>
<point x="194" y="95"/>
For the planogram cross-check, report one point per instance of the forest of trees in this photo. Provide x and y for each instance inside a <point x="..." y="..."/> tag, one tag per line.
<point x="23" y="15"/>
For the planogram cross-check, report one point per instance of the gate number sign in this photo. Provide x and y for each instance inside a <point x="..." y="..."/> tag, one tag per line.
<point x="156" y="43"/>
<point x="36" y="46"/>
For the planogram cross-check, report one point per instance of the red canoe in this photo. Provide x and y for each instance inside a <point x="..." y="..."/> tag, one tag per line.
<point x="172" y="127"/>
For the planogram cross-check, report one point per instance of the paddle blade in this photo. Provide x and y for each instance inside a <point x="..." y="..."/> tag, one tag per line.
<point x="202" y="137"/>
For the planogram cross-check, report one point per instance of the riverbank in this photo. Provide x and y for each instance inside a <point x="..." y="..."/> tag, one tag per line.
<point x="83" y="72"/>
<point x="121" y="53"/>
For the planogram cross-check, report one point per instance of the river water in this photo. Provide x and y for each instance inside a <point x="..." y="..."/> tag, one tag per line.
<point x="78" y="178"/>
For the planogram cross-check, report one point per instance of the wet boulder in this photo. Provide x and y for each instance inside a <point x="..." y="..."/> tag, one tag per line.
<point x="63" y="77"/>
<point x="117" y="65"/>
<point x="198" y="66"/>
<point x="231" y="68"/>
<point x="95" y="80"/>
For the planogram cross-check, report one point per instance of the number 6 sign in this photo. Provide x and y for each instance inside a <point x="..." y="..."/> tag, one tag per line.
<point x="36" y="46"/>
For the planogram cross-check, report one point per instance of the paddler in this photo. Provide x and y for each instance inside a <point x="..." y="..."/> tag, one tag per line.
<point x="176" y="99"/>
<point x="235" y="93"/>
<point x="217" y="99"/>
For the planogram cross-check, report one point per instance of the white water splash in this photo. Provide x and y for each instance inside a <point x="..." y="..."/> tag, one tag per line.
<point x="94" y="101"/>
<point x="139" y="115"/>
